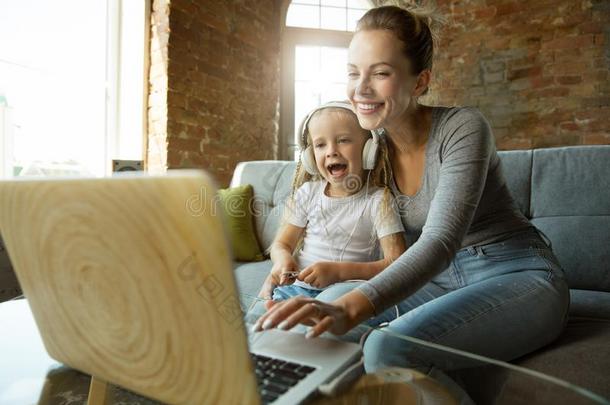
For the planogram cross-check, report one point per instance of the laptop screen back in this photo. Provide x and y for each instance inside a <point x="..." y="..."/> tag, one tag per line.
<point x="129" y="279"/>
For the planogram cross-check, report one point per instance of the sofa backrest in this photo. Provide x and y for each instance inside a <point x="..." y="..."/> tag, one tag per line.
<point x="565" y="192"/>
<point x="272" y="183"/>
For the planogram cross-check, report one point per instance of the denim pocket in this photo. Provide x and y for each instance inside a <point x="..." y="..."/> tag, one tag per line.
<point x="503" y="251"/>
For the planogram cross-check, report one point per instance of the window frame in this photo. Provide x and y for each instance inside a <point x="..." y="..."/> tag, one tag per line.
<point x="113" y="91"/>
<point x="6" y="141"/>
<point x="112" y="118"/>
<point x="290" y="39"/>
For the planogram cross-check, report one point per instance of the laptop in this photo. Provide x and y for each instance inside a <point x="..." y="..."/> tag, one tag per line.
<point x="130" y="280"/>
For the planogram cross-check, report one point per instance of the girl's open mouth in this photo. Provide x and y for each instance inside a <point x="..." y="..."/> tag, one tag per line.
<point x="337" y="169"/>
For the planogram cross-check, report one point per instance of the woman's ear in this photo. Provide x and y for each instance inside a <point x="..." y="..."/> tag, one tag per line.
<point x="423" y="80"/>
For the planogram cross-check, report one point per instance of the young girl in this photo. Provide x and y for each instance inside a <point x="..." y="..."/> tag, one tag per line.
<point x="340" y="209"/>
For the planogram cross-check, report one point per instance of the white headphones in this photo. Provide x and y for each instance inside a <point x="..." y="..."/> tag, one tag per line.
<point x="308" y="160"/>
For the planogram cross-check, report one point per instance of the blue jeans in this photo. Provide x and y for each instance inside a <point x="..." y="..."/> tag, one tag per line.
<point x="284" y="292"/>
<point x="500" y="300"/>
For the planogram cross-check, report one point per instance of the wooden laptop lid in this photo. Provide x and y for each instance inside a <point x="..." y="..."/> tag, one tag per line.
<point x="130" y="280"/>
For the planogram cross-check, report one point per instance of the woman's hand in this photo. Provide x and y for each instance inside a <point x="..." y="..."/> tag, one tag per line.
<point x="337" y="317"/>
<point x="308" y="311"/>
<point x="281" y="274"/>
<point x="321" y="274"/>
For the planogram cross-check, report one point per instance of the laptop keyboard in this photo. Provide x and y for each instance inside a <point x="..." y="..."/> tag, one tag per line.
<point x="275" y="376"/>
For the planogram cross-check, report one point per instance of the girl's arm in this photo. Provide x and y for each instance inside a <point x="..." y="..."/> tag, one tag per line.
<point x="283" y="246"/>
<point x="281" y="251"/>
<point x="392" y="246"/>
<point x="322" y="274"/>
<point x="389" y="228"/>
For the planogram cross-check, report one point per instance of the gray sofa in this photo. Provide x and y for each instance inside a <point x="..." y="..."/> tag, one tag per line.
<point x="565" y="192"/>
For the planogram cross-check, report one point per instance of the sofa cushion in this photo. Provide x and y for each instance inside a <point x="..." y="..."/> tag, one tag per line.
<point x="236" y="203"/>
<point x="272" y="181"/>
<point x="580" y="355"/>
<point x="581" y="245"/>
<point x="517" y="169"/>
<point x="571" y="181"/>
<point x="570" y="202"/>
<point x="589" y="304"/>
<point x="250" y="278"/>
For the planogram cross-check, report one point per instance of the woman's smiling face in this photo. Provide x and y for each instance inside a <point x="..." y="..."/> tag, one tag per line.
<point x="380" y="82"/>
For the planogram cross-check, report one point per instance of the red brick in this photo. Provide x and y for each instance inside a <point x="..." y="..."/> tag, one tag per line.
<point x="528" y="72"/>
<point x="571" y="42"/>
<point x="540" y="82"/>
<point x="550" y="92"/>
<point x="553" y="140"/>
<point x="507" y="8"/>
<point x="600" y="39"/>
<point x="569" y="126"/>
<point x="596" y="138"/>
<point x="569" y="79"/>
<point x="496" y="43"/>
<point x="514" y="143"/>
<point x="485" y="12"/>
<point x="569" y="68"/>
<point x="601" y="101"/>
<point x="590" y="27"/>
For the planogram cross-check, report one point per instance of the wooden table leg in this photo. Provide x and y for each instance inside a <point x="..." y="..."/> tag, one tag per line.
<point x="98" y="392"/>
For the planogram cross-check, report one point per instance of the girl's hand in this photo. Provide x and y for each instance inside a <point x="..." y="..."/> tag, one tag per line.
<point x="321" y="274"/>
<point x="270" y="283"/>
<point x="286" y="271"/>
<point x="281" y="274"/>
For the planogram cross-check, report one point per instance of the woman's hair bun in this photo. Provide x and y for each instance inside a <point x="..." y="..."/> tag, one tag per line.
<point x="424" y="11"/>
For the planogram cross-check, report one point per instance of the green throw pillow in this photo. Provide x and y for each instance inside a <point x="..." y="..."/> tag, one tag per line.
<point x="236" y="203"/>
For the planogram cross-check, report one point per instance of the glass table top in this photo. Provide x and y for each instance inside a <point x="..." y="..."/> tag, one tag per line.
<point x="541" y="388"/>
<point x="29" y="376"/>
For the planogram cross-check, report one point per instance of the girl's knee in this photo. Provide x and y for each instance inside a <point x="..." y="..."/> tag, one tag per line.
<point x="336" y="291"/>
<point x="256" y="310"/>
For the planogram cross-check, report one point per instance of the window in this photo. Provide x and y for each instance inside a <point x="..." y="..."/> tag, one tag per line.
<point x="314" y="59"/>
<point x="71" y="85"/>
<point x="339" y="15"/>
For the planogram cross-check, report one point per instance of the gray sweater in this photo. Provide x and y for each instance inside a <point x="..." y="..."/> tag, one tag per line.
<point x="463" y="201"/>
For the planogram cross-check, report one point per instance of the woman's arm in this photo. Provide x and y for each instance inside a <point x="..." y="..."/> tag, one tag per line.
<point x="466" y="147"/>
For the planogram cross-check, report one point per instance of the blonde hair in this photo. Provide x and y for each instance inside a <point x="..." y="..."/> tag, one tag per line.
<point x="416" y="26"/>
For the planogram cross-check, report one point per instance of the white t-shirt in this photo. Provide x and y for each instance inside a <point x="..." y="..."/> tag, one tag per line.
<point x="344" y="229"/>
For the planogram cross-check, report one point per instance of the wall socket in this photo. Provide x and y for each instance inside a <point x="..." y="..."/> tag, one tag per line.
<point x="120" y="165"/>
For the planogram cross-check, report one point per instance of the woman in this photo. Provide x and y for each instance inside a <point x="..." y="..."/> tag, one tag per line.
<point x="477" y="276"/>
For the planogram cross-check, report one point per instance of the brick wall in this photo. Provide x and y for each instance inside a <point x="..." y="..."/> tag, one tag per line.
<point x="222" y="75"/>
<point x="537" y="69"/>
